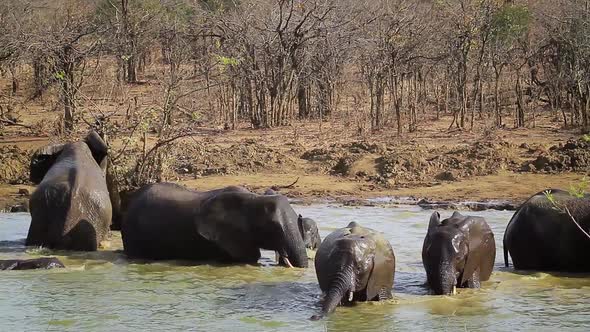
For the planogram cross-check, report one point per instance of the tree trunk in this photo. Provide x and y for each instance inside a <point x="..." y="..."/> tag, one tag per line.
<point x="497" y="110"/>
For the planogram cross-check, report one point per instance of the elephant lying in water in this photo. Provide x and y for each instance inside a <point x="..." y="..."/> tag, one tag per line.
<point x="542" y="236"/>
<point x="31" y="264"/>
<point x="457" y="252"/>
<point x="354" y="264"/>
<point x="70" y="208"/>
<point x="167" y="221"/>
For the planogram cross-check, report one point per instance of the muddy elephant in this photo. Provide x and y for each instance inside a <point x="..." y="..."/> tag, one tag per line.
<point x="71" y="208"/>
<point x="352" y="264"/>
<point x="167" y="221"/>
<point x="457" y="252"/>
<point x="542" y="236"/>
<point x="31" y="264"/>
<point x="310" y="233"/>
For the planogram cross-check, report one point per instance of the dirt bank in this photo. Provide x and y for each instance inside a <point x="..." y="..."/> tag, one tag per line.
<point x="331" y="164"/>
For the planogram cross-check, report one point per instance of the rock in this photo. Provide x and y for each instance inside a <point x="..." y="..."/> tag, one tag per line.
<point x="446" y="176"/>
<point x="22" y="207"/>
<point x="427" y="205"/>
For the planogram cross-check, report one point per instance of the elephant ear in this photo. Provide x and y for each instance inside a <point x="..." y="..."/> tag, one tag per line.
<point x="301" y="226"/>
<point x="221" y="223"/>
<point x="98" y="148"/>
<point x="472" y="262"/>
<point x="42" y="160"/>
<point x="434" y="221"/>
<point x="381" y="278"/>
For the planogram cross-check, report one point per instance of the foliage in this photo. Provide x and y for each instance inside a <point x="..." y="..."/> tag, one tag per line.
<point x="510" y="23"/>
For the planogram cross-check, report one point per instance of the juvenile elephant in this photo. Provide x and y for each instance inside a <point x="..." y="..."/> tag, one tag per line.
<point x="542" y="236"/>
<point x="70" y="208"/>
<point x="310" y="233"/>
<point x="457" y="252"/>
<point x="167" y="221"/>
<point x="31" y="264"/>
<point x="354" y="264"/>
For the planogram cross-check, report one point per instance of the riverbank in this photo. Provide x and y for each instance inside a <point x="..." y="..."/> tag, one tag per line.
<point x="438" y="167"/>
<point x="505" y="190"/>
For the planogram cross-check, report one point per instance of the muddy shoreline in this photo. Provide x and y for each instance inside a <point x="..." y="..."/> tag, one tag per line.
<point x="14" y="199"/>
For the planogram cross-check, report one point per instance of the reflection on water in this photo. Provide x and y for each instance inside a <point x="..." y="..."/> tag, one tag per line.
<point x="103" y="291"/>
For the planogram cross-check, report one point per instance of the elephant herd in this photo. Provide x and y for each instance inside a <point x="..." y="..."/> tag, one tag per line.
<point x="71" y="210"/>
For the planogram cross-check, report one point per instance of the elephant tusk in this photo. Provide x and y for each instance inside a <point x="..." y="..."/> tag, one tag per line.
<point x="350" y="296"/>
<point x="286" y="260"/>
<point x="454" y="290"/>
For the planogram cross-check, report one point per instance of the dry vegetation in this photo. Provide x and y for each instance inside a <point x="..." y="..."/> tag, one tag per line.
<point x="451" y="99"/>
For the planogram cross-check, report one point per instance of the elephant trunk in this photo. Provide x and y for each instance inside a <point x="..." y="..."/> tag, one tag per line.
<point x="294" y="251"/>
<point x="444" y="280"/>
<point x="342" y="285"/>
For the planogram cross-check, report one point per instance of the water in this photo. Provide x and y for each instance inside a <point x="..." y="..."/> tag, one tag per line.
<point x="102" y="291"/>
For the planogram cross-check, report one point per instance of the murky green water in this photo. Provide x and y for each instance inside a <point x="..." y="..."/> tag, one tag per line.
<point x="103" y="292"/>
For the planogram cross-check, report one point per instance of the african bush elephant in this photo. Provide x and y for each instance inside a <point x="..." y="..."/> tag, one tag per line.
<point x="457" y="252"/>
<point x="127" y="196"/>
<point x="354" y="263"/>
<point x="307" y="227"/>
<point x="31" y="264"/>
<point x="542" y="236"/>
<point x="167" y="221"/>
<point x="310" y="233"/>
<point x="70" y="208"/>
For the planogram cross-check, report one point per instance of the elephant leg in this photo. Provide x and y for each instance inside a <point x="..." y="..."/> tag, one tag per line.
<point x="384" y="294"/>
<point x="474" y="281"/>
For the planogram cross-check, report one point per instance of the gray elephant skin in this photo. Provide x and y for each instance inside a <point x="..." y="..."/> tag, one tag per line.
<point x="70" y="208"/>
<point x="458" y="252"/>
<point x="310" y="233"/>
<point x="167" y="221"/>
<point x="543" y="237"/>
<point x="352" y="264"/>
<point x="31" y="264"/>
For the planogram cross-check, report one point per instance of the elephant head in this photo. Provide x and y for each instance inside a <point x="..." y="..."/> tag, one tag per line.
<point x="310" y="233"/>
<point x="446" y="256"/>
<point x="270" y="223"/>
<point x="45" y="157"/>
<point x="354" y="264"/>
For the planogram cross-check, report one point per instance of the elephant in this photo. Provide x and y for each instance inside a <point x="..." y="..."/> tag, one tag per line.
<point x="307" y="227"/>
<point x="167" y="221"/>
<point x="31" y="264"/>
<point x="71" y="208"/>
<point x="126" y="196"/>
<point x="457" y="252"/>
<point x="310" y="233"/>
<point x="352" y="264"/>
<point x="542" y="236"/>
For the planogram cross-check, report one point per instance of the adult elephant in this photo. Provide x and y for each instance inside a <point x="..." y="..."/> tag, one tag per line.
<point x="354" y="263"/>
<point x="70" y="208"/>
<point x="457" y="252"/>
<point x="31" y="264"/>
<point x="127" y="196"/>
<point x="307" y="227"/>
<point x="167" y="221"/>
<point x="542" y="235"/>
